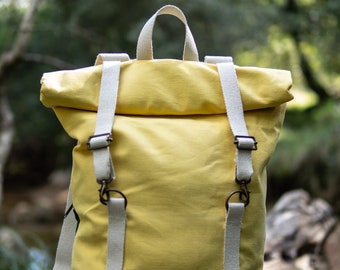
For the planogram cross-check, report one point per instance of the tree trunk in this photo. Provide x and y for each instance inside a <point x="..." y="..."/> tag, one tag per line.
<point x="292" y="8"/>
<point x="6" y="135"/>
<point x="7" y="60"/>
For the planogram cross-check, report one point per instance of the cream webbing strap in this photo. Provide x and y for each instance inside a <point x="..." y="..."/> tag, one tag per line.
<point x="65" y="244"/>
<point x="103" y="167"/>
<point x="144" y="43"/>
<point x="232" y="236"/>
<point x="232" y="98"/>
<point x="116" y="233"/>
<point x="244" y="146"/>
<point x="100" y="141"/>
<point x="99" y="144"/>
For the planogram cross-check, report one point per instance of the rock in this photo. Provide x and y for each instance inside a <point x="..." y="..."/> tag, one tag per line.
<point x="297" y="228"/>
<point x="332" y="247"/>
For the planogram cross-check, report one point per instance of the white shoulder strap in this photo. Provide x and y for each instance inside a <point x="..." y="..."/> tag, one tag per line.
<point x="103" y="165"/>
<point x="99" y="144"/>
<point x="244" y="146"/>
<point x="65" y="245"/>
<point x="100" y="141"/>
<point x="234" y="108"/>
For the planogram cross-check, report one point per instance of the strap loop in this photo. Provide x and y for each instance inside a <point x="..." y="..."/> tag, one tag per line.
<point x="144" y="43"/>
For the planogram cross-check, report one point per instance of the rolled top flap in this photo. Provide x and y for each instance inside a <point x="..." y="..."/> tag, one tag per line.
<point x="166" y="87"/>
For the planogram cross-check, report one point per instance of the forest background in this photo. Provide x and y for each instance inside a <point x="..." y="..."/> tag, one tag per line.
<point x="298" y="35"/>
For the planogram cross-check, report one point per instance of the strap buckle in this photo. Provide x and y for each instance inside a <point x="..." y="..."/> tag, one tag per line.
<point x="104" y="193"/>
<point x="243" y="194"/>
<point x="245" y="142"/>
<point x="99" y="141"/>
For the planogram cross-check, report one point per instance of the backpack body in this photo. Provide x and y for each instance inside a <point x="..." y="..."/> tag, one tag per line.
<point x="173" y="152"/>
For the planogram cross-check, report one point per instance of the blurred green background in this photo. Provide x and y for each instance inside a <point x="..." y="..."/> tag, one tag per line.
<point x="299" y="35"/>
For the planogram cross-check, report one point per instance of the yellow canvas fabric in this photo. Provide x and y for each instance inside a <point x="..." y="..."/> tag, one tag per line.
<point x="173" y="154"/>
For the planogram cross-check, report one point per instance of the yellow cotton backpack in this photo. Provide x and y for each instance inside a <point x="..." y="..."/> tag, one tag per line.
<point x="169" y="172"/>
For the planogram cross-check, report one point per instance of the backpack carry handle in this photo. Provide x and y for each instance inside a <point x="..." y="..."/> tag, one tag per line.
<point x="144" y="44"/>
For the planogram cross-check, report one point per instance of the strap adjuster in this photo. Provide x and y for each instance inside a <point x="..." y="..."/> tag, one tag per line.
<point x="245" y="142"/>
<point x="99" y="141"/>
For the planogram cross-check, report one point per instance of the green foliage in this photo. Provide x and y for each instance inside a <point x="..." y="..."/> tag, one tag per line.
<point x="308" y="154"/>
<point x="9" y="20"/>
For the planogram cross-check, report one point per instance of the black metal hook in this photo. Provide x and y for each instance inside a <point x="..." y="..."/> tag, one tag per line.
<point x="243" y="194"/>
<point x="104" y="193"/>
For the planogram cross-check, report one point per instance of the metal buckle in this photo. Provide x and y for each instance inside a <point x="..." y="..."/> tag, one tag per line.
<point x="243" y="195"/>
<point x="104" y="193"/>
<point x="99" y="141"/>
<point x="245" y="142"/>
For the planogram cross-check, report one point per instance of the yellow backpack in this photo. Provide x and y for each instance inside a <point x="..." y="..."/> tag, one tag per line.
<point x="178" y="151"/>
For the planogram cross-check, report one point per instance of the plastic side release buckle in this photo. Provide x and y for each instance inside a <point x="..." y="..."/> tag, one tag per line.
<point x="245" y="142"/>
<point x="99" y="141"/>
